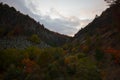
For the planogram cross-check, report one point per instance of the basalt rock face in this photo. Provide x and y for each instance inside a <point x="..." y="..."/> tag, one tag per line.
<point x="14" y="24"/>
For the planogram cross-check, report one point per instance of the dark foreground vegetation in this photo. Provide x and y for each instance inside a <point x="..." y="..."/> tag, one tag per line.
<point x="29" y="51"/>
<point x="46" y="64"/>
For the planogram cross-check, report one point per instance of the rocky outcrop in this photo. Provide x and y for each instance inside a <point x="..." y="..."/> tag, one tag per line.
<point x="20" y="43"/>
<point x="13" y="24"/>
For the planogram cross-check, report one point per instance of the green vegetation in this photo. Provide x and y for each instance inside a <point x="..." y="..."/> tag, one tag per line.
<point x="92" y="54"/>
<point x="34" y="63"/>
<point x="35" y="39"/>
<point x="99" y="55"/>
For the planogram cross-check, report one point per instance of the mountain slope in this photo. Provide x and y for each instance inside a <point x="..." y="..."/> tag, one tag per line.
<point x="101" y="41"/>
<point x="14" y="24"/>
<point x="25" y="53"/>
<point x="105" y="27"/>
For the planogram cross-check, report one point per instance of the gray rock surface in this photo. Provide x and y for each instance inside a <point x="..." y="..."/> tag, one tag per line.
<point x="20" y="43"/>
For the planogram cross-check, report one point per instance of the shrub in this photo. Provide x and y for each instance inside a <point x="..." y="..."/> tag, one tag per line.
<point x="32" y="52"/>
<point x="14" y="72"/>
<point x="8" y="57"/>
<point x="87" y="70"/>
<point x="34" y="38"/>
<point x="99" y="55"/>
<point x="81" y="55"/>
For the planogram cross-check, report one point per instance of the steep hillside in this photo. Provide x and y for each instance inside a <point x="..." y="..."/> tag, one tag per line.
<point x="101" y="40"/>
<point x="26" y="52"/>
<point x="106" y="28"/>
<point x="14" y="24"/>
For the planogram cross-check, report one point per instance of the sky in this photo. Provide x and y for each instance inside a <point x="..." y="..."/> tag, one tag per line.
<point x="62" y="16"/>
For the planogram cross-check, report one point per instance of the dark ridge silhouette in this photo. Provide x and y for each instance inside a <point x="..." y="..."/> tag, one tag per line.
<point x="13" y="23"/>
<point x="92" y="54"/>
<point x="105" y="27"/>
<point x="100" y="39"/>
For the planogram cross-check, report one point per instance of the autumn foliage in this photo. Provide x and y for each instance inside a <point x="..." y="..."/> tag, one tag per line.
<point x="115" y="53"/>
<point x="29" y="65"/>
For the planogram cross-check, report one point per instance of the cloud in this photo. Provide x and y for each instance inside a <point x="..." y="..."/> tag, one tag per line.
<point x="18" y="4"/>
<point x="52" y="20"/>
<point x="61" y="25"/>
<point x="85" y="22"/>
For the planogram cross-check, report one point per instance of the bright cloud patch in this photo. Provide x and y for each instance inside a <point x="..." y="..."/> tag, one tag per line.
<point x="63" y="16"/>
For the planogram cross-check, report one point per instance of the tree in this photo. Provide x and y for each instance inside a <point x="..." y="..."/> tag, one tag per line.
<point x="35" y="38"/>
<point x="99" y="55"/>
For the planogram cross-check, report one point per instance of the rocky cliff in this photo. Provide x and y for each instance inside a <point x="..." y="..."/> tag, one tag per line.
<point x="14" y="24"/>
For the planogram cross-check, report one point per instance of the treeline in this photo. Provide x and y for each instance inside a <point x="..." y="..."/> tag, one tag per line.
<point x="46" y="64"/>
